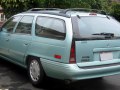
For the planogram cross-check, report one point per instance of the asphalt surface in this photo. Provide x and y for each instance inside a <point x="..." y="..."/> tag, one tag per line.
<point x="13" y="77"/>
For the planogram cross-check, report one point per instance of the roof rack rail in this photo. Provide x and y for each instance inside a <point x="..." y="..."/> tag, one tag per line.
<point x="64" y="11"/>
<point x="40" y="9"/>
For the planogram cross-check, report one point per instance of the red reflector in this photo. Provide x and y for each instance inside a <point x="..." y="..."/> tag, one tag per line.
<point x="57" y="56"/>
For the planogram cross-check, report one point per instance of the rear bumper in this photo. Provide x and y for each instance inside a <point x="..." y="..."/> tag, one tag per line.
<point x="73" y="72"/>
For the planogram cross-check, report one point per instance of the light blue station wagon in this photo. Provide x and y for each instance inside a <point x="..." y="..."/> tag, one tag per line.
<point x="67" y="44"/>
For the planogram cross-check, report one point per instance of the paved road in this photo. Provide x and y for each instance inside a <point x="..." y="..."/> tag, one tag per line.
<point x="13" y="77"/>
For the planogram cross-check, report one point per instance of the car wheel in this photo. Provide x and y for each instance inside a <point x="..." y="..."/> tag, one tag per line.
<point x="35" y="71"/>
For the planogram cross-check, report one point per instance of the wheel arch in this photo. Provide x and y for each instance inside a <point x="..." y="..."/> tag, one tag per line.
<point x="28" y="58"/>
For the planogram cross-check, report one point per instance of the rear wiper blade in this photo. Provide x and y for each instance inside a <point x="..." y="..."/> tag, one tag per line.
<point x="107" y="35"/>
<point x="104" y="33"/>
<point x="90" y="38"/>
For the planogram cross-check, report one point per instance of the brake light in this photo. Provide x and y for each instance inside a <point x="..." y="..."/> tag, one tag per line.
<point x="72" y="54"/>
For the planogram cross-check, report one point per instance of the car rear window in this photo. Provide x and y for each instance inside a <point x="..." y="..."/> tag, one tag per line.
<point x="89" y="26"/>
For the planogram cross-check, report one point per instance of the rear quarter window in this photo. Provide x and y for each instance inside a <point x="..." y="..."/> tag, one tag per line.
<point x="50" y="28"/>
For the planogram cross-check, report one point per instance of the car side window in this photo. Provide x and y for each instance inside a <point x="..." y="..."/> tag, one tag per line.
<point x="10" y="24"/>
<point x="50" y="28"/>
<point x="25" y="25"/>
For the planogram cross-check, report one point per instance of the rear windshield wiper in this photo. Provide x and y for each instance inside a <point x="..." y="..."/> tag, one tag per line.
<point x="107" y="35"/>
<point x="90" y="37"/>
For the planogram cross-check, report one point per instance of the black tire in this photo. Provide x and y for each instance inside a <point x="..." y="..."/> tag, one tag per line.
<point x="32" y="71"/>
<point x="99" y="78"/>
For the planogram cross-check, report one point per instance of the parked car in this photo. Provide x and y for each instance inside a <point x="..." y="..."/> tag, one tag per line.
<point x="67" y="44"/>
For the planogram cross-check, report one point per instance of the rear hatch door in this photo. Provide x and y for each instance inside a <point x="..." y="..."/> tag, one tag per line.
<point x="97" y="40"/>
<point x="102" y="52"/>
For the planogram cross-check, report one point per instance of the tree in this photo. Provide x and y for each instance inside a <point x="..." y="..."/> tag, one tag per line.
<point x="12" y="7"/>
<point x="79" y="4"/>
<point x="116" y="10"/>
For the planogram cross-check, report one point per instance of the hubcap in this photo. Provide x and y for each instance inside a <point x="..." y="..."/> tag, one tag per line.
<point x="34" y="70"/>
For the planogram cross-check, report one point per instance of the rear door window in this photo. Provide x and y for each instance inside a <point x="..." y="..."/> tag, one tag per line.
<point x="25" y="25"/>
<point x="50" y="28"/>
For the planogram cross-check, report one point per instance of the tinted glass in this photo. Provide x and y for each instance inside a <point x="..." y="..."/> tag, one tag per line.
<point x="50" y="28"/>
<point x="92" y="25"/>
<point x="10" y="24"/>
<point x="25" y="25"/>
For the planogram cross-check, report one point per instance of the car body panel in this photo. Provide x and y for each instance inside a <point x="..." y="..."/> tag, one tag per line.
<point x="4" y="43"/>
<point x="92" y="53"/>
<point x="48" y="48"/>
<point x="74" y="73"/>
<point x="18" y="46"/>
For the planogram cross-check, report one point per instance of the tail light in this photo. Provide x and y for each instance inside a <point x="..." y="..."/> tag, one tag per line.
<point x="72" y="54"/>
